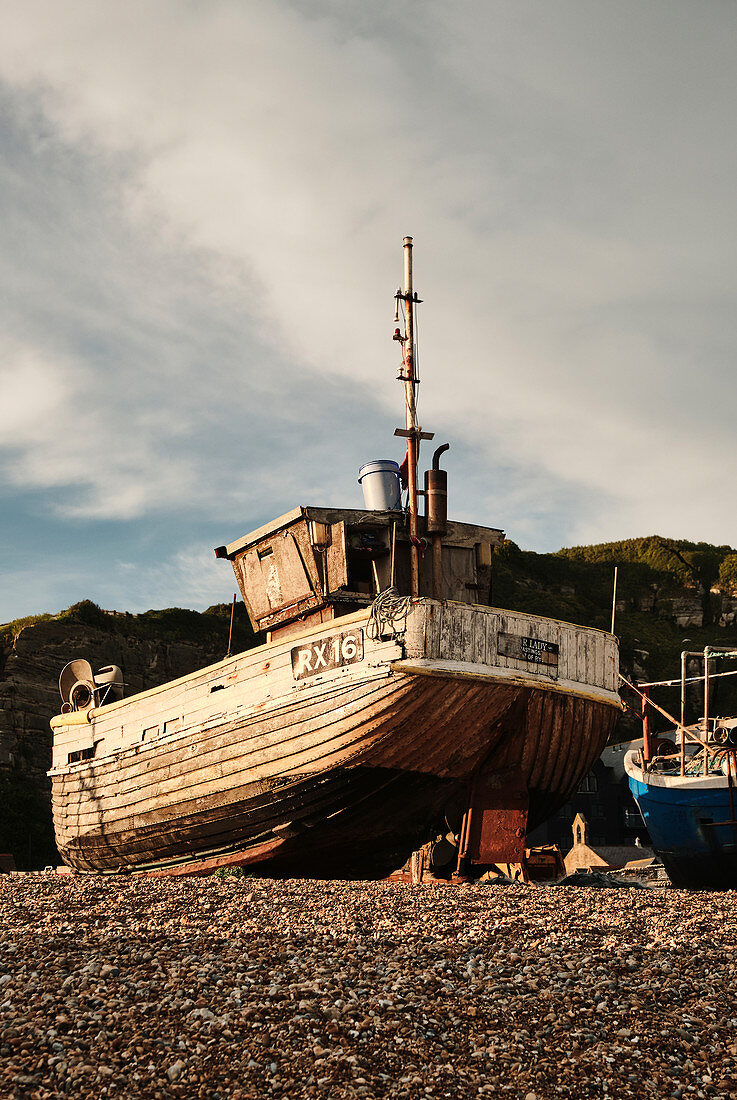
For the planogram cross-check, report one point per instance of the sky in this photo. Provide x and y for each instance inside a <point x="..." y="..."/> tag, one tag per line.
<point x="202" y="206"/>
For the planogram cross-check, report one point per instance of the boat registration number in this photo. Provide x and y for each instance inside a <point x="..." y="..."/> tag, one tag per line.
<point x="327" y="653"/>
<point x="533" y="650"/>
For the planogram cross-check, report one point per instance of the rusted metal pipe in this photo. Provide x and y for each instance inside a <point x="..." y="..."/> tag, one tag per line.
<point x="436" y="495"/>
<point x="436" y="513"/>
<point x="646" y="748"/>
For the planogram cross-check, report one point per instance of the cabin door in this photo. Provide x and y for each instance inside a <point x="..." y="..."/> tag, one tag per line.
<point x="459" y="574"/>
<point x="275" y="577"/>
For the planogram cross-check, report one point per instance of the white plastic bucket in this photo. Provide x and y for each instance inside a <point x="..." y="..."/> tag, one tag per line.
<point x="382" y="490"/>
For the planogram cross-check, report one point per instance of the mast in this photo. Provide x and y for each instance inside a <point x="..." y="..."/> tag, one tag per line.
<point x="410" y="393"/>
<point x="412" y="432"/>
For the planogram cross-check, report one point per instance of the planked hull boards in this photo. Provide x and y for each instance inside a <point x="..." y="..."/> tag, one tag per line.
<point x="332" y="770"/>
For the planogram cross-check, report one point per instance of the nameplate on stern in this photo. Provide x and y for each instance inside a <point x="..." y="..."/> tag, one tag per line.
<point x="533" y="650"/>
<point x="312" y="658"/>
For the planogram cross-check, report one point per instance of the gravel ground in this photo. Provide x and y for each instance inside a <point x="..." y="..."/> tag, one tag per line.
<point x="243" y="987"/>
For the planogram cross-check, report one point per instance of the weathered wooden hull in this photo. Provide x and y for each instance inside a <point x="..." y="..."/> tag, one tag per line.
<point x="341" y="773"/>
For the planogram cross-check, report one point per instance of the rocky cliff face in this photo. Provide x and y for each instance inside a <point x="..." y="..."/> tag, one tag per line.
<point x="150" y="649"/>
<point x="727" y="606"/>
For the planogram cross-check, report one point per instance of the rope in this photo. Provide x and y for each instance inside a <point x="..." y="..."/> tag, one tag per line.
<point x="387" y="611"/>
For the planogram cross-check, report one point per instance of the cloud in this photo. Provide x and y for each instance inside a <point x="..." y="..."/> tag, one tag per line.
<point x="208" y="202"/>
<point x="191" y="569"/>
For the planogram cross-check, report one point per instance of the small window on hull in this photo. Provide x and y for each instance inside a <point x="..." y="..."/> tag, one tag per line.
<point x="80" y="754"/>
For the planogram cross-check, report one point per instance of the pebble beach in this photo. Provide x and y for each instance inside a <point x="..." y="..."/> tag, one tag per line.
<point x="245" y="987"/>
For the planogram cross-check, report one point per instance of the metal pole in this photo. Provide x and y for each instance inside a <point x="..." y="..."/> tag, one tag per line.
<point x="614" y="598"/>
<point x="391" y="562"/>
<point x="683" y="660"/>
<point x="646" y="725"/>
<point x="411" y="416"/>
<point x="230" y="632"/>
<point x="706" y="709"/>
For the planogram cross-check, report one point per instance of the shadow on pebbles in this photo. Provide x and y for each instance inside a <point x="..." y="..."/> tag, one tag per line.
<point x="243" y="987"/>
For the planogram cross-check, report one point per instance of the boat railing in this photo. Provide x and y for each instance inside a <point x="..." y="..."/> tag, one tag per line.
<point x="711" y="737"/>
<point x="712" y="741"/>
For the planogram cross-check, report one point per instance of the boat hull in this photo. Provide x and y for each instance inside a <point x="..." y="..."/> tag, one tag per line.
<point x="340" y="774"/>
<point x="691" y="829"/>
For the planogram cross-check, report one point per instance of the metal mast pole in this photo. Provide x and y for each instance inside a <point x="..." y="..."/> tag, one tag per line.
<point x="410" y="389"/>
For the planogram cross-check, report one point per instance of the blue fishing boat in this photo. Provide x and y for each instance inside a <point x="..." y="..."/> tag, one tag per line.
<point x="684" y="784"/>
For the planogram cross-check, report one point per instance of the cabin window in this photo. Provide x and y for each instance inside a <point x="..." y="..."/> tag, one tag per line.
<point x="81" y="754"/>
<point x="588" y="784"/>
<point x="365" y="558"/>
<point x="360" y="575"/>
<point x="149" y="732"/>
<point x="172" y="725"/>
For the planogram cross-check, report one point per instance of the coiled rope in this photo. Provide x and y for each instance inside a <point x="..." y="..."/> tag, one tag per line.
<point x="388" y="614"/>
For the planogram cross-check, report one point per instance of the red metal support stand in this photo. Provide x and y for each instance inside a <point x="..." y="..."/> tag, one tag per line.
<point x="495" y="823"/>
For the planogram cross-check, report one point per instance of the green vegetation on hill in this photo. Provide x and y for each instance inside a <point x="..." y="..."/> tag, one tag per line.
<point x="728" y="571"/>
<point x="172" y="624"/>
<point x="686" y="561"/>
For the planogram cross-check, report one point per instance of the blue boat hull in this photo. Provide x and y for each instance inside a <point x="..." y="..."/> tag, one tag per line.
<point x="691" y="832"/>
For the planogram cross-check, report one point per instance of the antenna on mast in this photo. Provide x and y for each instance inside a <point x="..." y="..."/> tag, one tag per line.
<point x="412" y="431"/>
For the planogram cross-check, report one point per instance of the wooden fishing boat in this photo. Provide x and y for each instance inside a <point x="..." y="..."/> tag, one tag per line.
<point x="390" y="704"/>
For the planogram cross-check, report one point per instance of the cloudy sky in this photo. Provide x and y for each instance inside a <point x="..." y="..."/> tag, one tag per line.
<point x="202" y="205"/>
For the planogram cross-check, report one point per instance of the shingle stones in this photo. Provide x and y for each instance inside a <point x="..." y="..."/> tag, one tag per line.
<point x="239" y="988"/>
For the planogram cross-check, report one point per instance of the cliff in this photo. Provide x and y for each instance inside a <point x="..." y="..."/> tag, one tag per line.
<point x="151" y="649"/>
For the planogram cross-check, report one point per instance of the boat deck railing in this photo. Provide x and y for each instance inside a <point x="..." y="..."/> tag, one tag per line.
<point x="712" y="736"/>
<point x="708" y="747"/>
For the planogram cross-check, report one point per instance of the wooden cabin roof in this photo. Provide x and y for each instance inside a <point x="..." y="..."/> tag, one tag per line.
<point x="459" y="534"/>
